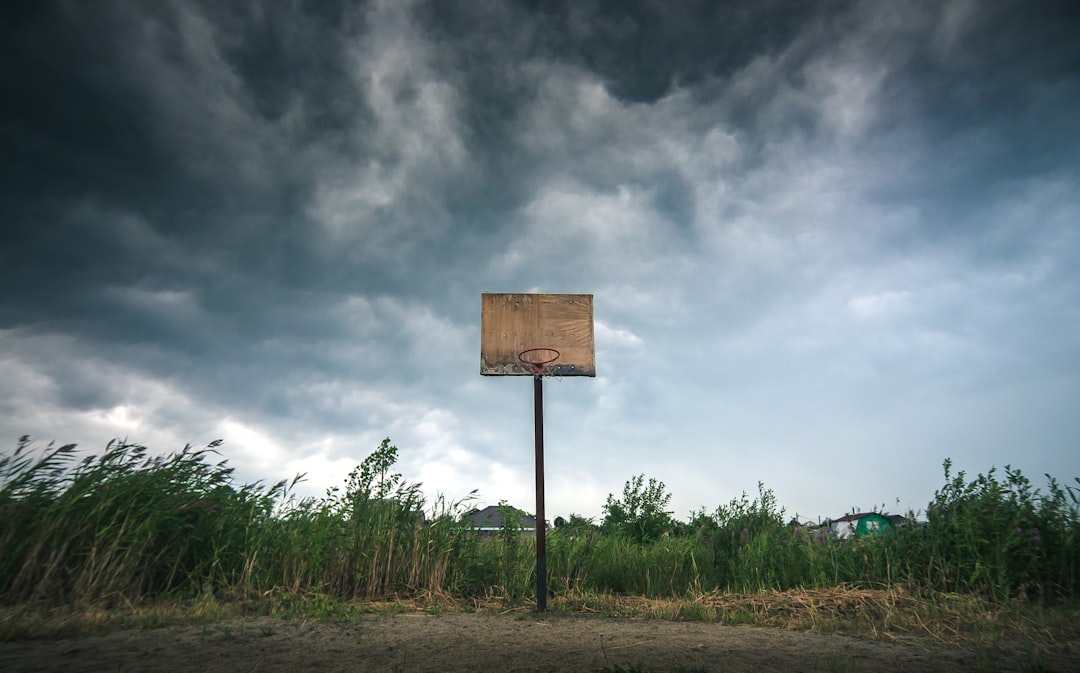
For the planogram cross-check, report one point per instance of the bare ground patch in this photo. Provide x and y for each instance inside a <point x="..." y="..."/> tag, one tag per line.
<point x="492" y="642"/>
<point x="832" y="630"/>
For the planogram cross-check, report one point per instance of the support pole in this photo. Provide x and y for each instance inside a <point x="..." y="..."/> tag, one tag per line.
<point x="541" y="532"/>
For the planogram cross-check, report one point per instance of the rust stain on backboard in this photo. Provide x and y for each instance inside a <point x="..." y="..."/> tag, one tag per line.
<point x="512" y="323"/>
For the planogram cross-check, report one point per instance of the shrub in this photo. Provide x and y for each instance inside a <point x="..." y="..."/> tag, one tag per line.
<point x="640" y="516"/>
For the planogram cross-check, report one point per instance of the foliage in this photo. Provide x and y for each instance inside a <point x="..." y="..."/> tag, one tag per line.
<point x="123" y="524"/>
<point x="578" y="524"/>
<point x="124" y="527"/>
<point x="640" y="515"/>
<point x="502" y="564"/>
<point x="372" y="480"/>
<point x="1001" y="538"/>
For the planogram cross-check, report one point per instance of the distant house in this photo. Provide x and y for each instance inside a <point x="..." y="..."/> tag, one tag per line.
<point x="492" y="519"/>
<point x="860" y="525"/>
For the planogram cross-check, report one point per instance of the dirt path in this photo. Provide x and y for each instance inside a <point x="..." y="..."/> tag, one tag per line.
<point x="488" y="642"/>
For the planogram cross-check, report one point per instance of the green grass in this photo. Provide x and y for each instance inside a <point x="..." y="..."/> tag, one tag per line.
<point x="125" y="529"/>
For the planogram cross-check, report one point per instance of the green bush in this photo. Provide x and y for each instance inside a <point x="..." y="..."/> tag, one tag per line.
<point x="999" y="538"/>
<point x="640" y="515"/>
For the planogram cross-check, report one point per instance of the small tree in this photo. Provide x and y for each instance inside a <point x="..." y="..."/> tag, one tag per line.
<point x="373" y="477"/>
<point x="640" y="515"/>
<point x="372" y="485"/>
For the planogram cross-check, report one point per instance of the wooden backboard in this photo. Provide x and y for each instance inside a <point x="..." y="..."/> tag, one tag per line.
<point x="512" y="323"/>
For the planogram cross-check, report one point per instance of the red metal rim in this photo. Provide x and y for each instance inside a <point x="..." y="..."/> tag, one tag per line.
<point x="537" y="365"/>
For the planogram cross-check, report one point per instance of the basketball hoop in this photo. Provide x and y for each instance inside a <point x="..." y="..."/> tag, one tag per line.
<point x="532" y="357"/>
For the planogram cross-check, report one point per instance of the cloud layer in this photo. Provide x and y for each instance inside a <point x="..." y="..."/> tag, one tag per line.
<point x="829" y="246"/>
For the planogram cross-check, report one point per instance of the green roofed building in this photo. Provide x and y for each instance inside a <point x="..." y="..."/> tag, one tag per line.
<point x="861" y="525"/>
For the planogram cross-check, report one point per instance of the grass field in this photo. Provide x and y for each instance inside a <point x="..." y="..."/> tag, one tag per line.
<point x="123" y="535"/>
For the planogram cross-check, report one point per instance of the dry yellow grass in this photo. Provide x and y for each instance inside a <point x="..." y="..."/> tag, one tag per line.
<point x="885" y="614"/>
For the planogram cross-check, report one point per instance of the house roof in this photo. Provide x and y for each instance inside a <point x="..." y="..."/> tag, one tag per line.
<point x="491" y="517"/>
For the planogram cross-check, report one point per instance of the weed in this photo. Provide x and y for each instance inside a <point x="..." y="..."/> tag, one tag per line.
<point x="128" y="533"/>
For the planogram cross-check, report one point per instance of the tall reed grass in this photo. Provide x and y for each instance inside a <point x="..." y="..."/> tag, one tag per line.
<point x="124" y="527"/>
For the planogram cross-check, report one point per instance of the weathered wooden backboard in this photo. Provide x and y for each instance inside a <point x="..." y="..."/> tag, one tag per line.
<point x="512" y="323"/>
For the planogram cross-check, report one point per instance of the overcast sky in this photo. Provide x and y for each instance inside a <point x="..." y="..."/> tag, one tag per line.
<point x="830" y="244"/>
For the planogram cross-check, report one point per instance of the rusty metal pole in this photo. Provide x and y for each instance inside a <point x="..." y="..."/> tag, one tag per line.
<point x="541" y="532"/>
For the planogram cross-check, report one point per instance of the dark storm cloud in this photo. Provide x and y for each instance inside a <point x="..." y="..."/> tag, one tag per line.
<point x="640" y="50"/>
<point x="111" y="179"/>
<point x="274" y="219"/>
<point x="994" y="87"/>
<point x="158" y="202"/>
